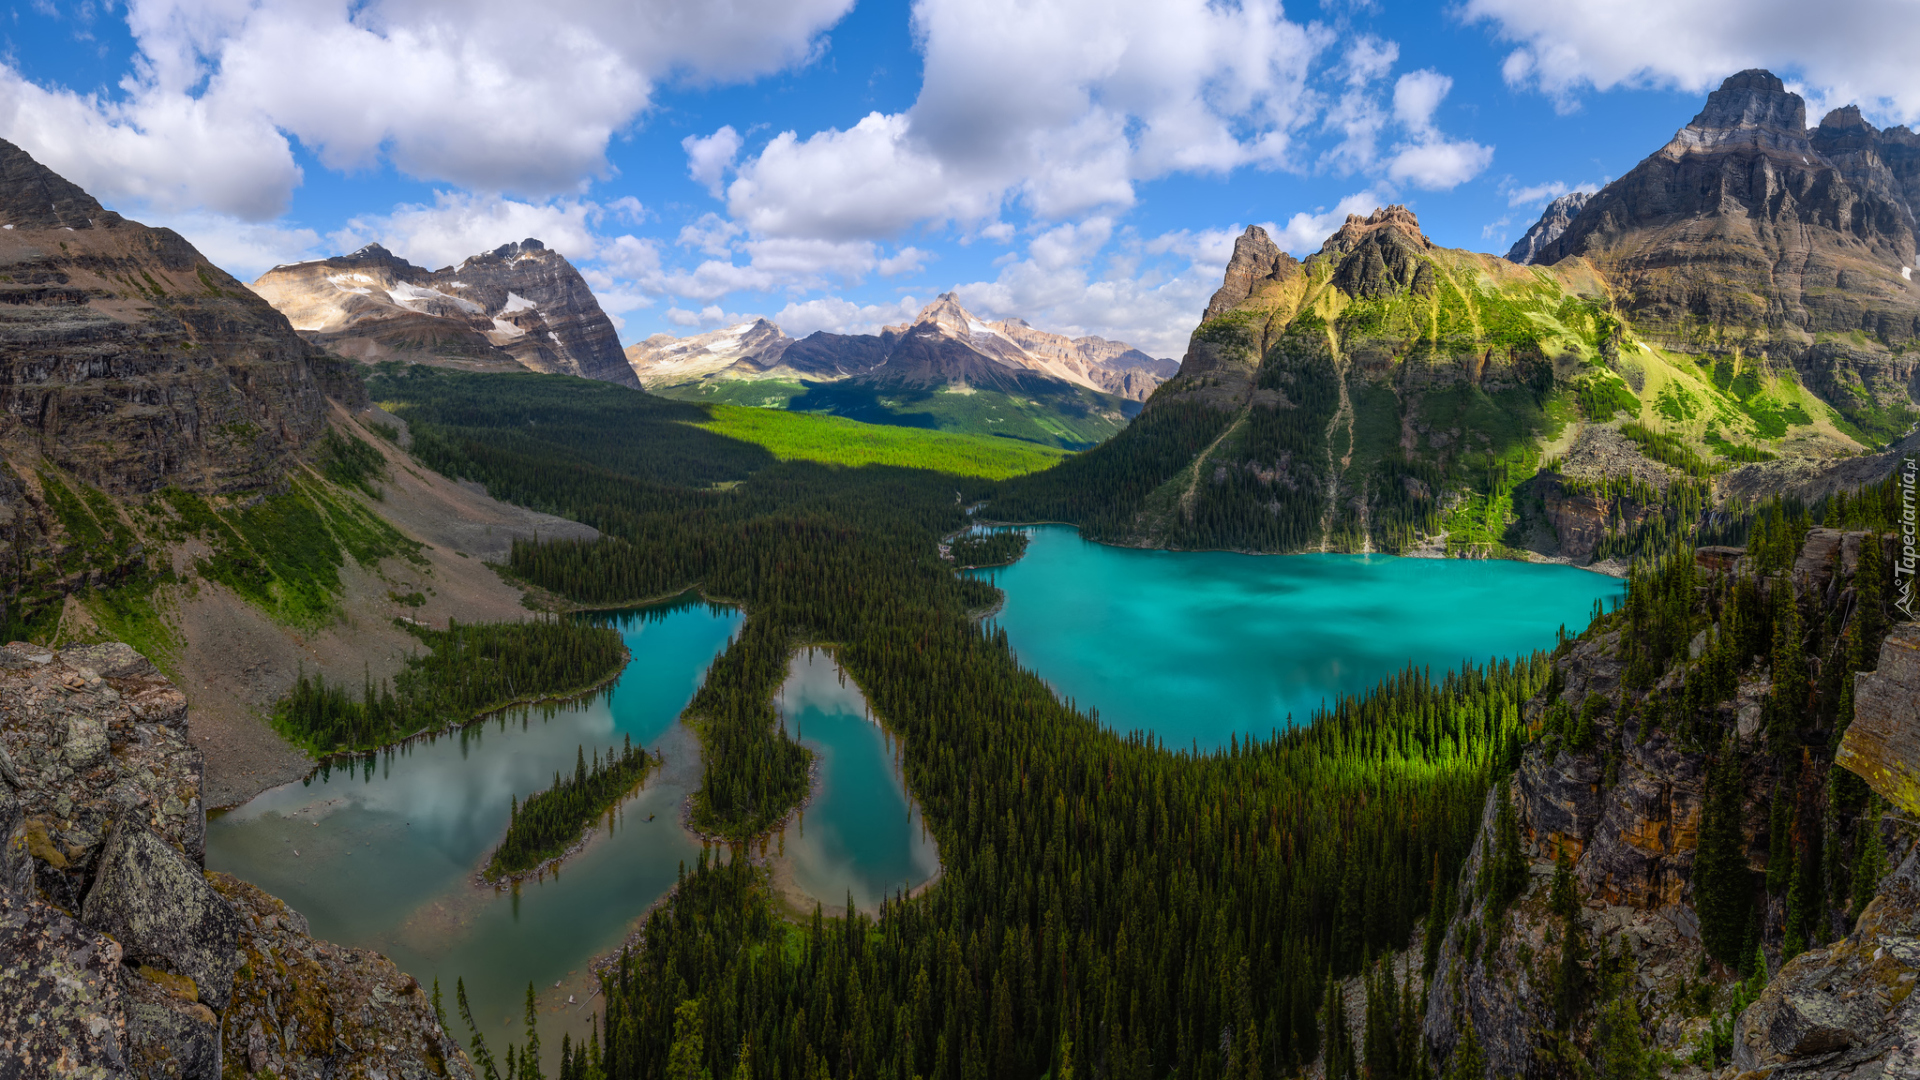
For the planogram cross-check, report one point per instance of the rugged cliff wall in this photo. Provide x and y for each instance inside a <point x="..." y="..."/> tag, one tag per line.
<point x="119" y="955"/>
<point x="129" y="360"/>
<point x="1683" y="784"/>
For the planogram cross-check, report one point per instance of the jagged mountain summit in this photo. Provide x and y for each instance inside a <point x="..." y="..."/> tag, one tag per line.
<point x="1732" y="319"/>
<point x="1553" y="221"/>
<point x="947" y="368"/>
<point x="519" y="306"/>
<point x="760" y="349"/>
<point x="1749" y="226"/>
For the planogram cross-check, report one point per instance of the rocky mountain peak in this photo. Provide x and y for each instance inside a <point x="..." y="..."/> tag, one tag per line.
<point x="1752" y="107"/>
<point x="1380" y="253"/>
<point x="33" y="196"/>
<point x="521" y="304"/>
<point x="946" y="314"/>
<point x="1553" y="221"/>
<point x="1846" y="116"/>
<point x="1256" y="260"/>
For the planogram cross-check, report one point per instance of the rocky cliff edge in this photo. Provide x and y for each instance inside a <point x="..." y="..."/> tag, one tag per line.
<point x="120" y="956"/>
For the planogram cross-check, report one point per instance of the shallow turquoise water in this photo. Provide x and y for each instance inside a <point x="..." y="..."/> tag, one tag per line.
<point x="386" y="856"/>
<point x="1196" y="647"/>
<point x="383" y="857"/>
<point x="861" y="836"/>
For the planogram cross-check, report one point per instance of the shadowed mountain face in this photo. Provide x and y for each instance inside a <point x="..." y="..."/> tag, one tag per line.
<point x="129" y="360"/>
<point x="518" y="306"/>
<point x="946" y="369"/>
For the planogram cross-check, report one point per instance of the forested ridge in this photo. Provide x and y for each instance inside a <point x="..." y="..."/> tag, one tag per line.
<point x="1108" y="903"/>
<point x="466" y="671"/>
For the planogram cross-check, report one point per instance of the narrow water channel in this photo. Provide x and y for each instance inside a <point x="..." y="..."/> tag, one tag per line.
<point x="861" y="836"/>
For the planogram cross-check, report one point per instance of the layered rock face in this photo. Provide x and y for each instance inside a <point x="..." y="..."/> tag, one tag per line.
<point x="119" y="955"/>
<point x="1553" y="222"/>
<point x="129" y="360"/>
<point x="1256" y="261"/>
<point x="1745" y="219"/>
<point x="521" y="305"/>
<point x="943" y="345"/>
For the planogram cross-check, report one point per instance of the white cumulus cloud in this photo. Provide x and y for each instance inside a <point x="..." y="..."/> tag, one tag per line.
<point x="484" y="94"/>
<point x="1861" y="51"/>
<point x="1060" y="106"/>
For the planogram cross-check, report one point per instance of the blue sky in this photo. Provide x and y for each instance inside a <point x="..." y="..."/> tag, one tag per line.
<point x="1083" y="164"/>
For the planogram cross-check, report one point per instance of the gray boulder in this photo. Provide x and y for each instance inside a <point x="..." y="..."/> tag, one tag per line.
<point x="169" y="1035"/>
<point x="60" y="1000"/>
<point x="160" y="908"/>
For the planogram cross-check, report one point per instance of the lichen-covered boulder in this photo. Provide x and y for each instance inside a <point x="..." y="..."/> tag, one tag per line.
<point x="162" y="911"/>
<point x="305" y="1009"/>
<point x="1848" y="1010"/>
<point x="170" y="1035"/>
<point x="60" y="1007"/>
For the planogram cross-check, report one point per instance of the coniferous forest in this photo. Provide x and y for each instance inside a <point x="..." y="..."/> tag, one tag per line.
<point x="1108" y="902"/>
<point x="550" y="821"/>
<point x="468" y="670"/>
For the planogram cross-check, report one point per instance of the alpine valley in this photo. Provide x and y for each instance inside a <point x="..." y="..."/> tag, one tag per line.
<point x="946" y="369"/>
<point x="265" y="544"/>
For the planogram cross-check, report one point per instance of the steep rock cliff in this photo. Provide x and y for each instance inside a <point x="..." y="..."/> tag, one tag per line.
<point x="1742" y="226"/>
<point x="129" y="360"/>
<point x="1634" y="762"/>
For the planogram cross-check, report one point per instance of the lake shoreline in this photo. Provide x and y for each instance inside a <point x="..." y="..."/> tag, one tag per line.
<point x="1612" y="568"/>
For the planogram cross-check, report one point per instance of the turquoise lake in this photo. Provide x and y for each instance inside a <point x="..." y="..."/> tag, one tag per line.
<point x="1197" y="647"/>
<point x="382" y="854"/>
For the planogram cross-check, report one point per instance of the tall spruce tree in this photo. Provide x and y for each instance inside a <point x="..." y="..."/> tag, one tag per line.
<point x="1722" y="884"/>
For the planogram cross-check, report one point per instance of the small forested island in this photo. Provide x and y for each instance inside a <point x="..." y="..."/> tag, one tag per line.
<point x="974" y="551"/>
<point x="552" y="821"/>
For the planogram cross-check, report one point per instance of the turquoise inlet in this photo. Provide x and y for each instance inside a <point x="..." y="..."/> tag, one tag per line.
<point x="381" y="853"/>
<point x="1197" y="647"/>
<point x="860" y="836"/>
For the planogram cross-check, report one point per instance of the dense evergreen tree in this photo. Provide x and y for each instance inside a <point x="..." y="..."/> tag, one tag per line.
<point x="551" y="820"/>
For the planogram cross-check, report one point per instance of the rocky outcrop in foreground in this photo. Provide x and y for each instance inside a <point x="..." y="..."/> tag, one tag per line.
<point x="119" y="955"/>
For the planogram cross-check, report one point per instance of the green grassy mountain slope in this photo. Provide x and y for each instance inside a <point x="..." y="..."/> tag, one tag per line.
<point x="1391" y="395"/>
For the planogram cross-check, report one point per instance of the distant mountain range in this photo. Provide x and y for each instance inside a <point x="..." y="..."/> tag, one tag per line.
<point x="1733" y="318"/>
<point x="947" y="369"/>
<point x="524" y="306"/>
<point x="518" y="306"/>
